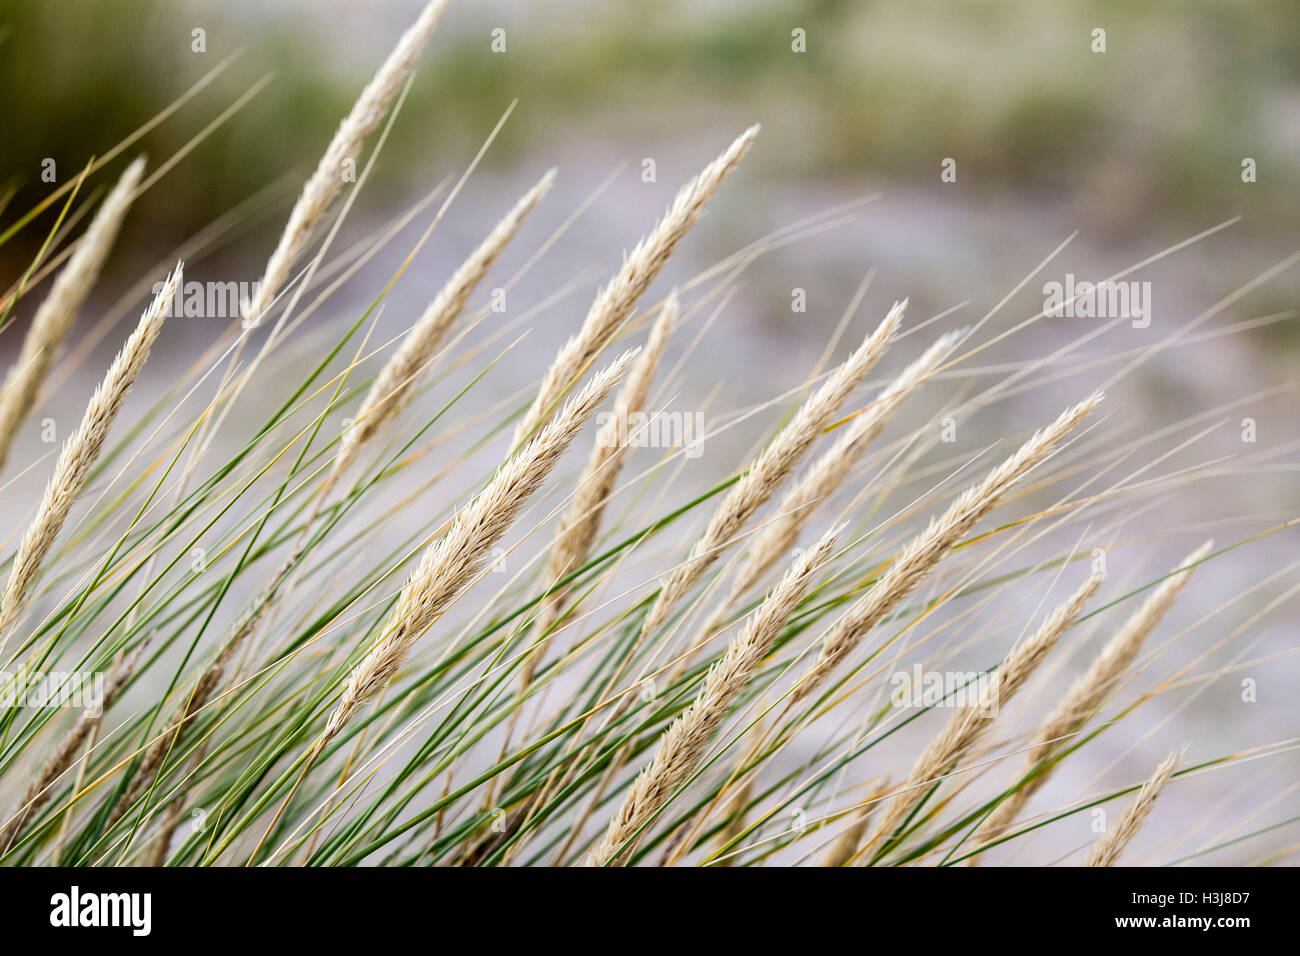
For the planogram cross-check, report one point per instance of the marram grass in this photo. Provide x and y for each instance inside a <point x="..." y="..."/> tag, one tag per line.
<point x="656" y="677"/>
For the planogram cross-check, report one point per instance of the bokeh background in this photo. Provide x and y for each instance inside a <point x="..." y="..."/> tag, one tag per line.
<point x="1136" y="149"/>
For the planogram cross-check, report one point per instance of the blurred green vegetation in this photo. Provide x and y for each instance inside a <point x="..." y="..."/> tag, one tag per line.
<point x="1154" y="129"/>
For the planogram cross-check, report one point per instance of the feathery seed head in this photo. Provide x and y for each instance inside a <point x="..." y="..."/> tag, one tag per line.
<point x="395" y="382"/>
<point x="327" y="180"/>
<point x="828" y="472"/>
<point x="968" y="725"/>
<point x="772" y="467"/>
<point x="1107" y="850"/>
<point x="1089" y="692"/>
<point x="581" y="521"/>
<point x="919" y="557"/>
<point x="58" y="310"/>
<point x="614" y="302"/>
<point x="683" y="744"/>
<point x="80" y="452"/>
<point x="450" y="564"/>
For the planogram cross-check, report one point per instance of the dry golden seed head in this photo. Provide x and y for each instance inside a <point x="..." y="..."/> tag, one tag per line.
<point x="614" y="302"/>
<point x="392" y="388"/>
<point x="683" y="744"/>
<point x="58" y="310"/>
<point x="845" y="847"/>
<point x="1107" y="850"/>
<point x="80" y="452"/>
<point x="968" y="725"/>
<point x="1089" y="692"/>
<point x="68" y="749"/>
<point x="581" y="521"/>
<point x="771" y="468"/>
<point x="328" y="179"/>
<point x="822" y="479"/>
<point x="450" y="564"/>
<point x="920" y="556"/>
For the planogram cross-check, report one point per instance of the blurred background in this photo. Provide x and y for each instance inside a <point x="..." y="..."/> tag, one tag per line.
<point x="1136" y="148"/>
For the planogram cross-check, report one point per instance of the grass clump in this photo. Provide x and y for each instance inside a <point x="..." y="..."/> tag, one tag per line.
<point x="343" y="679"/>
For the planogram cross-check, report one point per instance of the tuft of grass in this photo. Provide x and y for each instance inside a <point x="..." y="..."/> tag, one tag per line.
<point x="305" y="637"/>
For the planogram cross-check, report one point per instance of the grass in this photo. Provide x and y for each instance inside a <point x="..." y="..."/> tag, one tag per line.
<point x="307" y="662"/>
